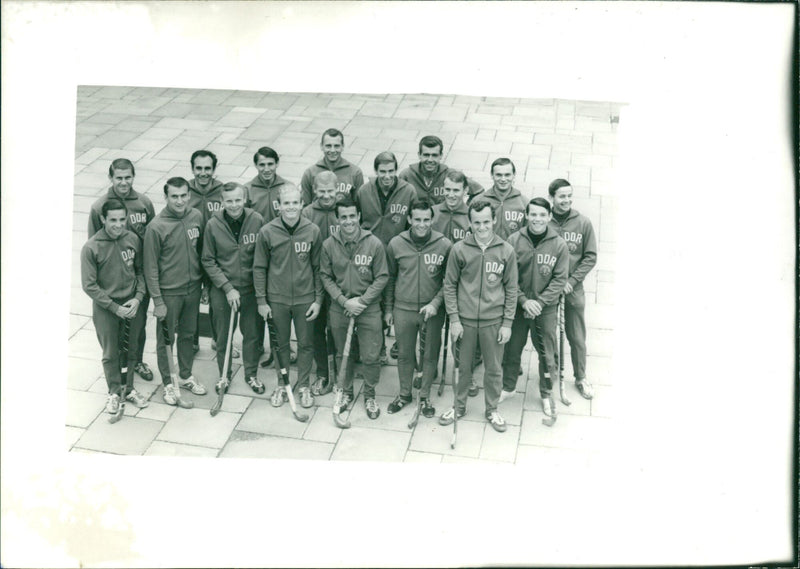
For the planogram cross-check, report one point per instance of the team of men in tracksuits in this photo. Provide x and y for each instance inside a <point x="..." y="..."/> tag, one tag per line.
<point x="337" y="254"/>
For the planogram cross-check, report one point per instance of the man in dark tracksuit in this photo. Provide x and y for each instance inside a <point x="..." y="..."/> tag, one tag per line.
<point x="286" y="278"/>
<point x="321" y="212"/>
<point x="111" y="274"/>
<point x="428" y="175"/>
<point x="543" y="263"/>
<point x="413" y="298"/>
<point x="508" y="202"/>
<point x="140" y="212"/>
<point x="577" y="231"/>
<point x="349" y="176"/>
<point x="229" y="246"/>
<point x="450" y="216"/>
<point x="480" y="294"/>
<point x="172" y="271"/>
<point x="353" y="270"/>
<point x="263" y="191"/>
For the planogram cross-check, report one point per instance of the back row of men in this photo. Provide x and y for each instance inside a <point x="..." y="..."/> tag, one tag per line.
<point x="383" y="252"/>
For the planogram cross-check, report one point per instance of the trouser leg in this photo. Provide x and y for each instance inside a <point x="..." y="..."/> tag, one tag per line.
<point x="406" y="325"/>
<point x="512" y="355"/>
<point x="339" y="324"/>
<point x="543" y="336"/>
<point x="433" y="345"/>
<point x="222" y="314"/>
<point x="305" y="343"/>
<point x="248" y="311"/>
<point x="186" y="327"/>
<point x="140" y="323"/>
<point x="370" y="334"/>
<point x="107" y="327"/>
<point x="575" y="329"/>
<point x="492" y="361"/>
<point x="320" y="340"/>
<point x="173" y="304"/>
<point x="469" y="341"/>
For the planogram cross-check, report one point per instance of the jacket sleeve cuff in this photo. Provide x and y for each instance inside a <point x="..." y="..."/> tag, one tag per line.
<point x="573" y="282"/>
<point x="261" y="300"/>
<point x="158" y="301"/>
<point x="454" y="318"/>
<point x="227" y="287"/>
<point x="522" y="299"/>
<point x="139" y="296"/>
<point x="507" y="322"/>
<point x="341" y="300"/>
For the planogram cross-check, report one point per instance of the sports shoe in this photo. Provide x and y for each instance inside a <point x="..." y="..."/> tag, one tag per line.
<point x="428" y="410"/>
<point x="137" y="399"/>
<point x="170" y="395"/>
<point x="584" y="388"/>
<point x="278" y="396"/>
<point x="196" y="348"/>
<point x="321" y="386"/>
<point x="382" y="358"/>
<point x="506" y="395"/>
<point x="473" y="389"/>
<point x="398" y="403"/>
<point x="393" y="352"/>
<point x="221" y="384"/>
<point x="373" y="411"/>
<point x="112" y="403"/>
<point x="306" y="399"/>
<point x="144" y="371"/>
<point x="193" y="385"/>
<point x="546" y="407"/>
<point x="496" y="421"/>
<point x="341" y="400"/>
<point x="256" y="385"/>
<point x="448" y="416"/>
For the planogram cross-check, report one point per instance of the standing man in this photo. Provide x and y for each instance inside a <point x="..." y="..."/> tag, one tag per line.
<point x="263" y="191"/>
<point x="286" y="278"/>
<point x="428" y="175"/>
<point x="140" y="212"/>
<point x="506" y="200"/>
<point x="577" y="231"/>
<point x="353" y="270"/>
<point x="450" y="216"/>
<point x="413" y="297"/>
<point x="229" y="246"/>
<point x="349" y="176"/>
<point x="543" y="263"/>
<point x="480" y="294"/>
<point x="111" y="274"/>
<point x="172" y="249"/>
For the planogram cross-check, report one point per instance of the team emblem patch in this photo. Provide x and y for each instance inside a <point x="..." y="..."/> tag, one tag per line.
<point x="513" y="225"/>
<point x="302" y="256"/>
<point x="491" y="277"/>
<point x="363" y="270"/>
<point x="396" y="218"/>
<point x="572" y="246"/>
<point x="433" y="269"/>
<point x="545" y="270"/>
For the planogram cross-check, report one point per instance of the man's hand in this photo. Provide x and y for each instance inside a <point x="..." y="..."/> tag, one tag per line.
<point x="532" y="308"/>
<point x="456" y="330"/>
<point x="388" y="319"/>
<point x="203" y="295"/>
<point x="132" y="307"/>
<point x="504" y="334"/>
<point x="313" y="311"/>
<point x="233" y="299"/>
<point x="427" y="311"/>
<point x="265" y="311"/>
<point x="160" y="311"/>
<point x="568" y="288"/>
<point x="354" y="306"/>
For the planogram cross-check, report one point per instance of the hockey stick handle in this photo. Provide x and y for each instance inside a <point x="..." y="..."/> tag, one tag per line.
<point x="346" y="349"/>
<point x="283" y="375"/>
<point x="228" y="345"/>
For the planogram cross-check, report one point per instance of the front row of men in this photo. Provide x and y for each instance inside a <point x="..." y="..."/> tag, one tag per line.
<point x="305" y="266"/>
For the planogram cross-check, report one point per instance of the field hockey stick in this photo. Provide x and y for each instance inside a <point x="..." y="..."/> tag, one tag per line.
<point x="283" y="374"/>
<point x="320" y="388"/>
<point x="423" y="333"/>
<point x="123" y="360"/>
<point x="171" y="363"/>
<point x="225" y="366"/>
<point x="456" y="359"/>
<point x="561" y="389"/>
<point x="444" y="356"/>
<point x="343" y="423"/>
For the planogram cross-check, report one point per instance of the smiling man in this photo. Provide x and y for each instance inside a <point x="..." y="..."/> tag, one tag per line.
<point x="450" y="217"/>
<point x="507" y="201"/>
<point x="263" y="191"/>
<point x="429" y="174"/>
<point x="349" y="176"/>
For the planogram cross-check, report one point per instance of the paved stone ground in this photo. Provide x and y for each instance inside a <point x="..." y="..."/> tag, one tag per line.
<point x="159" y="128"/>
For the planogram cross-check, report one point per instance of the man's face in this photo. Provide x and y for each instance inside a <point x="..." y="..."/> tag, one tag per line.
<point x="503" y="177"/>
<point x="115" y="222"/>
<point x="266" y="168"/>
<point x="178" y="199"/>
<point x="430" y="157"/>
<point x="562" y="200"/>
<point x="326" y="194"/>
<point x="349" y="220"/>
<point x="453" y="193"/>
<point x="233" y="202"/>
<point x="291" y="205"/>
<point x="538" y="217"/>
<point x="122" y="181"/>
<point x="203" y="170"/>
<point x="387" y="174"/>
<point x="420" y="221"/>
<point x="482" y="224"/>
<point x="332" y="147"/>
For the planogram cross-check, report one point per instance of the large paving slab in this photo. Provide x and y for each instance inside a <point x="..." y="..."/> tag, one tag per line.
<point x="194" y="427"/>
<point x="252" y="445"/>
<point x="130" y="435"/>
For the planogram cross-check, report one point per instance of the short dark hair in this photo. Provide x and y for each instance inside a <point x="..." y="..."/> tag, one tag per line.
<point x="175" y="182"/>
<point x="458" y="177"/>
<point x="112" y="204"/>
<point x="479" y="205"/>
<point x="431" y="141"/>
<point x="556" y="185"/>
<point x="420" y="204"/>
<point x="230" y="186"/>
<point x="266" y="152"/>
<point x="121" y="164"/>
<point x="541" y="202"/>
<point x="384" y="158"/>
<point x="503" y="162"/>
<point x="333" y="133"/>
<point x="346" y="201"/>
<point x="204" y="154"/>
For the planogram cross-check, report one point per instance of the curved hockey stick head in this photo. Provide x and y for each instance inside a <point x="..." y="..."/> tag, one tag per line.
<point x="302" y="417"/>
<point x="118" y="415"/>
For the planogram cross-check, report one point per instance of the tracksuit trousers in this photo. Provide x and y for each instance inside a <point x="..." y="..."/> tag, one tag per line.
<point x="369" y="330"/>
<point x="407" y="325"/>
<point x="320" y="335"/>
<point x="181" y="320"/>
<point x="108" y="327"/>
<point x="248" y="309"/>
<point x="542" y="331"/>
<point x="485" y="338"/>
<point x="575" y="330"/>
<point x="283" y="315"/>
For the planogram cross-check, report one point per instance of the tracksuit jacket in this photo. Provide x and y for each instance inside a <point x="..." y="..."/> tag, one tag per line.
<point x="434" y="191"/>
<point x="323" y="218"/>
<point x="286" y="266"/>
<point x="266" y="200"/>
<point x="206" y="203"/>
<point x="140" y="212"/>
<point x="349" y="175"/>
<point x="578" y="232"/>
<point x="357" y="270"/>
<point x="111" y="269"/>
<point x="388" y="222"/>
<point x="510" y="211"/>
<point x="453" y="224"/>
<point x="172" y="250"/>
<point x="228" y="262"/>
<point x="419" y="270"/>
<point x="542" y="269"/>
<point x="480" y="286"/>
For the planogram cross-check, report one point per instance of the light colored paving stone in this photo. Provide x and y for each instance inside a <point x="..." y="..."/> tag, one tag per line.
<point x="262" y="417"/>
<point x="433" y="437"/>
<point x="130" y="436"/>
<point x="83" y="373"/>
<point x="322" y="428"/>
<point x="235" y="403"/>
<point x="476" y="160"/>
<point x="156" y="411"/>
<point x="161" y="448"/>
<point x="422" y="457"/>
<point x="194" y="427"/>
<point x="71" y="436"/>
<point x="601" y="344"/>
<point x="83" y="407"/>
<point x="499" y="447"/>
<point x="511" y="409"/>
<point x="371" y="445"/>
<point x="250" y="445"/>
<point x="570" y="431"/>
